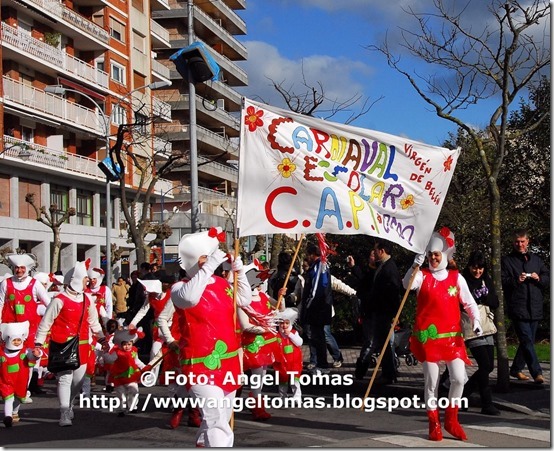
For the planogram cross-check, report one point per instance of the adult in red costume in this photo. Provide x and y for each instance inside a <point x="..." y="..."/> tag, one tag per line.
<point x="209" y="341"/>
<point x="62" y="318"/>
<point x="437" y="333"/>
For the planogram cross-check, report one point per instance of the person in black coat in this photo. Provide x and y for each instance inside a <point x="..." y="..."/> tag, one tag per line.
<point x="362" y="280"/>
<point x="482" y="348"/>
<point x="524" y="278"/>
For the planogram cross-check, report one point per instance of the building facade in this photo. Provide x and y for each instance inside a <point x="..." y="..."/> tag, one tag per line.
<point x="72" y="72"/>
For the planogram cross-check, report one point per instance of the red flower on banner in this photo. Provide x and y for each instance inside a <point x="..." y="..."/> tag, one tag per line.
<point x="445" y="232"/>
<point x="213" y="233"/>
<point x="253" y="118"/>
<point x="448" y="163"/>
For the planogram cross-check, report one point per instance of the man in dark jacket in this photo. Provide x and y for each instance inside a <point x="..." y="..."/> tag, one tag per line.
<point x="384" y="302"/>
<point x="317" y="304"/>
<point x="524" y="278"/>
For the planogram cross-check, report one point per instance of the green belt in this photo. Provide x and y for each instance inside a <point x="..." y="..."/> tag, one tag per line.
<point x="213" y="361"/>
<point x="258" y="342"/>
<point x="432" y="333"/>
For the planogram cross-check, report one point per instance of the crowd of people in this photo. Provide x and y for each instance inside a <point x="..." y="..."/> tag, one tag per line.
<point x="221" y="318"/>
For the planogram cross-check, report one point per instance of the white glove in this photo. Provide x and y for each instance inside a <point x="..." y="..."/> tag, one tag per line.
<point x="215" y="259"/>
<point x="477" y="327"/>
<point x="237" y="264"/>
<point x="419" y="259"/>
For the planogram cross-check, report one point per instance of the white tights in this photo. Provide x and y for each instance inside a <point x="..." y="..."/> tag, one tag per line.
<point x="431" y="373"/>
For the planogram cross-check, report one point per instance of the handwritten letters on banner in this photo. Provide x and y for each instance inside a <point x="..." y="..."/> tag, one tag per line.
<point x="298" y="174"/>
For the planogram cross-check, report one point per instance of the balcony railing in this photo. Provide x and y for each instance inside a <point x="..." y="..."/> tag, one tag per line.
<point x="160" y="31"/>
<point x="53" y="158"/>
<point x="159" y="68"/>
<point x="54" y="56"/>
<point x="161" y="109"/>
<point x="53" y="105"/>
<point x="59" y="10"/>
<point x="162" y="147"/>
<point x="59" y="159"/>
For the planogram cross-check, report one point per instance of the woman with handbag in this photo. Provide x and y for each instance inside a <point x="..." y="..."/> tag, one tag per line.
<point x="69" y="317"/>
<point x="482" y="348"/>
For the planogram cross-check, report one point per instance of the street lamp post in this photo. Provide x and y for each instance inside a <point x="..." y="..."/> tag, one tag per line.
<point x="60" y="90"/>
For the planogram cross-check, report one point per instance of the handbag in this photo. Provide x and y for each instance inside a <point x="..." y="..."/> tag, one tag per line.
<point x="487" y="323"/>
<point x="65" y="356"/>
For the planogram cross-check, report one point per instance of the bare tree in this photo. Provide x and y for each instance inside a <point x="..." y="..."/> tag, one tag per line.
<point x="52" y="218"/>
<point x="469" y="64"/>
<point x="133" y="144"/>
<point x="312" y="98"/>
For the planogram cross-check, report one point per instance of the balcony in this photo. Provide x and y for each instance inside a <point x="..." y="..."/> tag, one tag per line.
<point x="213" y="141"/>
<point x="38" y="50"/>
<point x="52" y="106"/>
<point x="160" y="71"/>
<point x="58" y="160"/>
<point x="160" y="36"/>
<point x="161" y="109"/>
<point x="52" y="158"/>
<point x="85" y="26"/>
<point x="162" y="148"/>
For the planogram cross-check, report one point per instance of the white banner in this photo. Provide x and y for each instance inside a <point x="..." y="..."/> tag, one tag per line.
<point x="298" y="174"/>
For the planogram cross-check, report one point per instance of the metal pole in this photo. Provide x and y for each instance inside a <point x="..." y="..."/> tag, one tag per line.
<point x="192" y="132"/>
<point x="108" y="213"/>
<point x="162" y="222"/>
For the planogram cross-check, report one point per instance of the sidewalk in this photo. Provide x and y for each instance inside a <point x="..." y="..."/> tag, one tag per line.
<point x="523" y="396"/>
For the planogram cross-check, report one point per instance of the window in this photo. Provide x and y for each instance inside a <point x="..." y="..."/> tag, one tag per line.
<point x="100" y="65"/>
<point x="117" y="30"/>
<point x="141" y="121"/>
<point x="139" y="42"/>
<point x="84" y="208"/>
<point x="118" y="115"/>
<point x="118" y="73"/>
<point x="59" y="198"/>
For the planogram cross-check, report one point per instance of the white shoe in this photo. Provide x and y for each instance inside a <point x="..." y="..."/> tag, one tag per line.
<point x="65" y="418"/>
<point x="27" y="399"/>
<point x="71" y="413"/>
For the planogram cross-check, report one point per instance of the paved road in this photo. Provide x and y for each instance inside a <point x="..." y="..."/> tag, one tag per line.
<point x="518" y="426"/>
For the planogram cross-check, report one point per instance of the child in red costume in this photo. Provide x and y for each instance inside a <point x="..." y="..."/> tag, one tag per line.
<point x="259" y="343"/>
<point x="210" y="343"/>
<point x="437" y="334"/>
<point x="15" y="366"/>
<point x="125" y="369"/>
<point x="289" y="363"/>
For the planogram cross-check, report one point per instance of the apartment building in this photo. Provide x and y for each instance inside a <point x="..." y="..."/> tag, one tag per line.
<point x="216" y="24"/>
<point x="72" y="71"/>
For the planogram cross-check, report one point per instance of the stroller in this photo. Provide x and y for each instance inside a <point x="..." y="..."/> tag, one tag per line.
<point x="402" y="346"/>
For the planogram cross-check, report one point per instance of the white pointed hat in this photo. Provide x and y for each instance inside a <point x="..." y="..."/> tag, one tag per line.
<point x="27" y="260"/>
<point x="98" y="274"/>
<point x="152" y="286"/>
<point x="74" y="277"/>
<point x="122" y="335"/>
<point x="10" y="331"/>
<point x="43" y="278"/>
<point x="289" y="313"/>
<point x="443" y="241"/>
<point x="194" y="245"/>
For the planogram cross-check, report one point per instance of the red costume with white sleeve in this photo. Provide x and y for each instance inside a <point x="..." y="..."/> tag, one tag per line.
<point x="209" y="340"/>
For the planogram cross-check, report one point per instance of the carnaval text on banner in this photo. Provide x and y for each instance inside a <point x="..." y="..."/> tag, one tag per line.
<point x="298" y="174"/>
